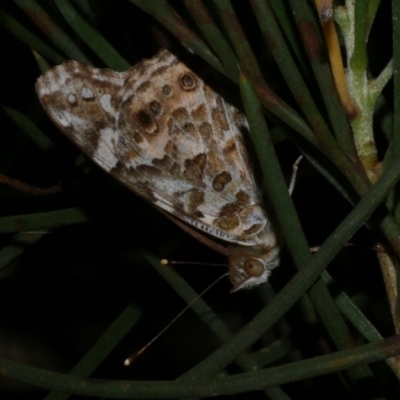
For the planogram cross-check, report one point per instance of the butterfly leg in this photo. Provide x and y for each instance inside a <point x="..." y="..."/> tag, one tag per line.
<point x="294" y="175"/>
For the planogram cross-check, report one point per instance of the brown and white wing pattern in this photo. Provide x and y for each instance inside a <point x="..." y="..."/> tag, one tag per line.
<point x="160" y="130"/>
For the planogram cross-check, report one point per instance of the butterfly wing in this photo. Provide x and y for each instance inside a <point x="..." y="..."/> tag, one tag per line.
<point x="160" y="130"/>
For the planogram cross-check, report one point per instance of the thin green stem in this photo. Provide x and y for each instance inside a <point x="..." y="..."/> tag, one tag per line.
<point x="27" y="37"/>
<point x="30" y="129"/>
<point x="240" y="383"/>
<point x="358" y="60"/>
<point x="102" y="348"/>
<point x="92" y="37"/>
<point x="46" y="24"/>
<point x="380" y="82"/>
<point x="43" y="220"/>
<point x="163" y="13"/>
<point x="396" y="77"/>
<point x="213" y="35"/>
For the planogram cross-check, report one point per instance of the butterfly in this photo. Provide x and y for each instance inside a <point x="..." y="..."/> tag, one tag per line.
<point x="159" y="129"/>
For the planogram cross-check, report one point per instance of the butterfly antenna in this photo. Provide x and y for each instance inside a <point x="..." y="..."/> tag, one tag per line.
<point x="134" y="356"/>
<point x="164" y="261"/>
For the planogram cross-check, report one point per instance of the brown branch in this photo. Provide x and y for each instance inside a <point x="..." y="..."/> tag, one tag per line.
<point x="24" y="187"/>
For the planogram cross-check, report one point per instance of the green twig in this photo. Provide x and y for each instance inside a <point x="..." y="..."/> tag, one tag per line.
<point x="240" y="383"/>
<point x="43" y="220"/>
<point x="163" y="13"/>
<point x="102" y="348"/>
<point x="27" y="37"/>
<point x="213" y="36"/>
<point x="46" y="24"/>
<point x="30" y="129"/>
<point x="92" y="37"/>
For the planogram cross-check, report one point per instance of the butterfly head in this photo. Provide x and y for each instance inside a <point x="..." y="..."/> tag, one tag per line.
<point x="249" y="267"/>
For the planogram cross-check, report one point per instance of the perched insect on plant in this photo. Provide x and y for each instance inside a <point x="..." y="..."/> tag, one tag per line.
<point x="164" y="133"/>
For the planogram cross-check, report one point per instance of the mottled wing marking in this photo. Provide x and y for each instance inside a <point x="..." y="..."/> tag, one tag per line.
<point x="160" y="130"/>
<point x="164" y="133"/>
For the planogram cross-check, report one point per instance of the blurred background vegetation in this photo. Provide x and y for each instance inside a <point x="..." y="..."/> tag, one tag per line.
<point x="80" y="283"/>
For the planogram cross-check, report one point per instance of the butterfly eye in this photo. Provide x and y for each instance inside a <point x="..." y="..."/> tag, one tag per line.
<point x="253" y="268"/>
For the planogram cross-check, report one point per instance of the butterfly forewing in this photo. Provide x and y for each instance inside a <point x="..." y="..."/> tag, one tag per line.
<point x="164" y="133"/>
